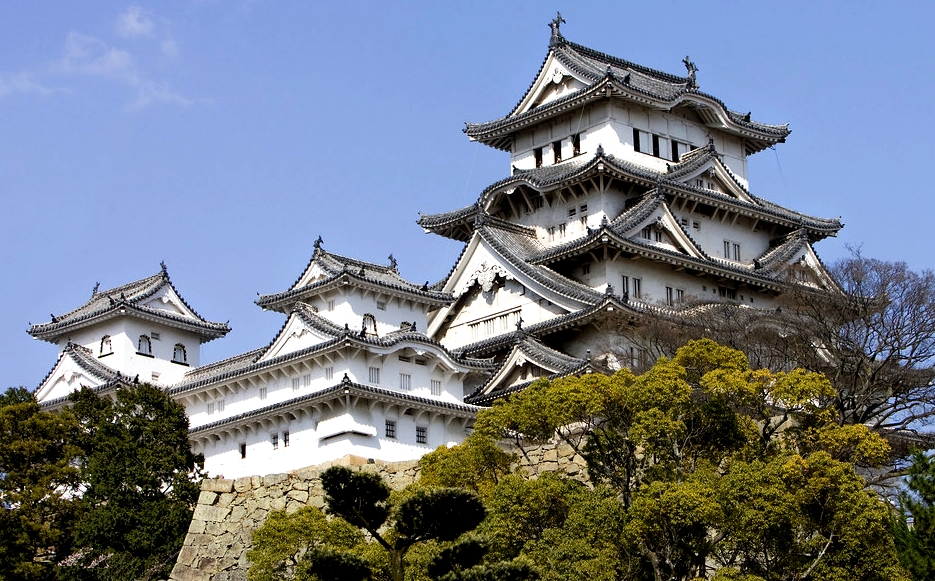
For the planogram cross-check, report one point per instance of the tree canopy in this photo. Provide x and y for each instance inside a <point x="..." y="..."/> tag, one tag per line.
<point x="103" y="489"/>
<point x="718" y="469"/>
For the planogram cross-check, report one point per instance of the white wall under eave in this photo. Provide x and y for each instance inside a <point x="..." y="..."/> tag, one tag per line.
<point x="352" y="303"/>
<point x="124" y="335"/>
<point x="306" y="447"/>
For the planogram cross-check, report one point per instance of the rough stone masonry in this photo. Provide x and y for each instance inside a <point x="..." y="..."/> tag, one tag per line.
<point x="228" y="511"/>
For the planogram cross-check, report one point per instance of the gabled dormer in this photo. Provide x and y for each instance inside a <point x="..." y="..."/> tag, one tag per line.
<point x="581" y="98"/>
<point x="144" y="330"/>
<point x="362" y="295"/>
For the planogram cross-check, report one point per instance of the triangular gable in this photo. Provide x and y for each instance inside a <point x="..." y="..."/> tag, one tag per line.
<point x="554" y="81"/>
<point x="314" y="273"/>
<point x="662" y="221"/>
<point x="296" y="334"/>
<point x="167" y="300"/>
<point x="480" y="265"/>
<point x="524" y="365"/>
<point x="67" y="376"/>
<point x="714" y="175"/>
<point x="806" y="268"/>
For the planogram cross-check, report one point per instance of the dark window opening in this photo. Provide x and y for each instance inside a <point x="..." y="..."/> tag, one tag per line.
<point x="285" y="439"/>
<point x="636" y="140"/>
<point x="656" y="146"/>
<point x="422" y="434"/>
<point x="557" y="150"/>
<point x="144" y="346"/>
<point x="537" y="153"/>
<point x="243" y="451"/>
<point x="390" y="428"/>
<point x="576" y="144"/>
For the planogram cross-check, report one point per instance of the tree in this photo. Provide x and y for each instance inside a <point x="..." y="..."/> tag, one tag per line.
<point x="441" y="514"/>
<point x="871" y="332"/>
<point x="140" y="481"/>
<point x="914" y="524"/>
<point x="38" y="484"/>
<point x="719" y="470"/>
<point x="284" y="539"/>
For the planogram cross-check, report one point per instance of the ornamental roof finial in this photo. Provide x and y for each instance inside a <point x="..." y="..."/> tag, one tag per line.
<point x="97" y="287"/>
<point x="555" y="26"/>
<point x="318" y="242"/>
<point x="162" y="265"/>
<point x="392" y="262"/>
<point x="692" y="70"/>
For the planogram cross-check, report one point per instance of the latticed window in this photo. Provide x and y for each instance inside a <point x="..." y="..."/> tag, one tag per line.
<point x="374" y="373"/>
<point x="422" y="435"/>
<point x="436" y="387"/>
<point x="405" y="381"/>
<point x="390" y="428"/>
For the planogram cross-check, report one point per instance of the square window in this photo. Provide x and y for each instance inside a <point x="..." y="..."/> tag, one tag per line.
<point x="436" y="387"/>
<point x="154" y="336"/>
<point x="390" y="429"/>
<point x="422" y="435"/>
<point x="405" y="381"/>
<point x="381" y="305"/>
<point x="374" y="375"/>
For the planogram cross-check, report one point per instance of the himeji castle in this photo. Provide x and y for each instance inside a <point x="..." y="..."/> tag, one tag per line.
<point x="626" y="199"/>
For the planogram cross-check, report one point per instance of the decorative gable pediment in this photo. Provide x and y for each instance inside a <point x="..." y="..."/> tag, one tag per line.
<point x="554" y="82"/>
<point x="295" y="335"/>
<point x="69" y="376"/>
<point x="312" y="274"/>
<point x="165" y="299"/>
<point x="662" y="228"/>
<point x="714" y="176"/>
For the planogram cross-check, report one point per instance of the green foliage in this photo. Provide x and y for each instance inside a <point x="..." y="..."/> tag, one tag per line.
<point x="421" y="515"/>
<point x="141" y="482"/>
<point x="916" y="543"/>
<point x="476" y="464"/>
<point x="360" y="498"/>
<point x="284" y="538"/>
<point x="715" y="468"/>
<point x="321" y="564"/>
<point x="38" y="483"/>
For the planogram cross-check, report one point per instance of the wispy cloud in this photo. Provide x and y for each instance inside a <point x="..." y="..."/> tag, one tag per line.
<point x="22" y="83"/>
<point x="92" y="56"/>
<point x="135" y="23"/>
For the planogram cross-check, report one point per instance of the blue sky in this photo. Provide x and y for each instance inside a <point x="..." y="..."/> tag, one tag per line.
<point x="224" y="137"/>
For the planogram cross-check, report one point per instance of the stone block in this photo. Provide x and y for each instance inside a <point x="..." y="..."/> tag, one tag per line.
<point x="548" y="467"/>
<point x="273" y="479"/>
<point x="565" y="451"/>
<point x="278" y="503"/>
<point x="225" y="499"/>
<point x="298" y="495"/>
<point x="275" y="492"/>
<point x="211" y="513"/>
<point x="310" y="473"/>
<point x="207" y="497"/>
<point x="187" y="556"/>
<point x="243" y="484"/>
<point x="196" y="526"/>
<point x="256" y="481"/>
<point x="215" y="528"/>
<point x="217" y="485"/>
<point x="550" y="455"/>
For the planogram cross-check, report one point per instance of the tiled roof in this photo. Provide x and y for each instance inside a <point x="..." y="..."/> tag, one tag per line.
<point x="517" y="249"/>
<point x="341" y="269"/>
<point x="781" y="251"/>
<point x="249" y="362"/>
<point x="128" y="299"/>
<point x="627" y="80"/>
<point x="352" y="388"/>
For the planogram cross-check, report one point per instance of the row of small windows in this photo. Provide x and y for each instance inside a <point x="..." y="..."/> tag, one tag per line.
<point x="422" y="432"/>
<point x="274" y="441"/>
<point x="144" y="346"/>
<point x="405" y="381"/>
<point x="658" y="146"/>
<point x="556" y="148"/>
<point x="632" y="287"/>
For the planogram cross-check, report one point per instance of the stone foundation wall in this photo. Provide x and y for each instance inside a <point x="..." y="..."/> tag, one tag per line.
<point x="228" y="511"/>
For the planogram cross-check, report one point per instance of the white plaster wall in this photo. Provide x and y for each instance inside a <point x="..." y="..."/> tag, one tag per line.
<point x="222" y="453"/>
